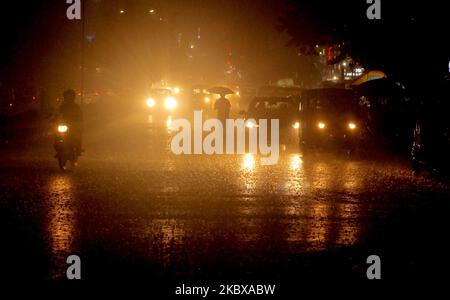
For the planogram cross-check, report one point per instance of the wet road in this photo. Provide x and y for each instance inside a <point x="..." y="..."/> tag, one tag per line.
<point x="134" y="210"/>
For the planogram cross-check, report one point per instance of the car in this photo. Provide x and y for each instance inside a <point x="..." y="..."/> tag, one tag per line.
<point x="431" y="143"/>
<point x="277" y="91"/>
<point x="329" y="119"/>
<point x="388" y="113"/>
<point x="283" y="108"/>
<point x="162" y="105"/>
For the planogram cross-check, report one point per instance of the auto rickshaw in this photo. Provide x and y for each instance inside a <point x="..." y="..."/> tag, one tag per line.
<point x="329" y="119"/>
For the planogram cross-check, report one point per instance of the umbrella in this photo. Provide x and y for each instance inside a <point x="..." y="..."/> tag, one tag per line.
<point x="379" y="87"/>
<point x="221" y="90"/>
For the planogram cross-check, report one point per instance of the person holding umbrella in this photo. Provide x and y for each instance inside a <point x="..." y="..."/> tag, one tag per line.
<point x="222" y="105"/>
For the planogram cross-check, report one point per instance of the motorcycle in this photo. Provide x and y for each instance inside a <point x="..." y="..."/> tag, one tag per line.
<point x="65" y="146"/>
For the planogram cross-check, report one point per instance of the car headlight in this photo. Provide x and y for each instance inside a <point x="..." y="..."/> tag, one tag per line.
<point x="170" y="103"/>
<point x="351" y="126"/>
<point x="296" y="125"/>
<point x="251" y="124"/>
<point x="150" y="102"/>
<point x="321" y="125"/>
<point x="62" y="128"/>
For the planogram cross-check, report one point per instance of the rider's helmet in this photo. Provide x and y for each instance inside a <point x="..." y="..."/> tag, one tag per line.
<point x="69" y="95"/>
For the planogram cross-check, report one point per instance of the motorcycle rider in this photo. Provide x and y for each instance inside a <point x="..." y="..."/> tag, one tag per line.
<point x="72" y="115"/>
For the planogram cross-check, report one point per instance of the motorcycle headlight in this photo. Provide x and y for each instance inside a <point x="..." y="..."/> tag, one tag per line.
<point x="170" y="103"/>
<point x="351" y="126"/>
<point x="296" y="125"/>
<point x="62" y="128"/>
<point x="150" y="102"/>
<point x="321" y="125"/>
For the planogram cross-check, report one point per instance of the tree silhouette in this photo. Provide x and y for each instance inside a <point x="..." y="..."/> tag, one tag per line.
<point x="409" y="43"/>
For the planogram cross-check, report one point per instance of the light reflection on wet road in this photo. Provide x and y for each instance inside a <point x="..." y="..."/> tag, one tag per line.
<point x="134" y="205"/>
<point x="62" y="229"/>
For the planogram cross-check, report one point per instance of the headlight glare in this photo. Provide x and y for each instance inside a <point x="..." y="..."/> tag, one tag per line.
<point x="251" y="124"/>
<point x="62" y="128"/>
<point x="170" y="103"/>
<point x="150" y="102"/>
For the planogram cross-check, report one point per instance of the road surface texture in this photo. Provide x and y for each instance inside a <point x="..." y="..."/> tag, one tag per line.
<point x="132" y="210"/>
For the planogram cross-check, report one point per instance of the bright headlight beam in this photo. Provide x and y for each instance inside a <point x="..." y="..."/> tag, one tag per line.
<point x="150" y="102"/>
<point x="62" y="128"/>
<point x="250" y="124"/>
<point x="170" y="103"/>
